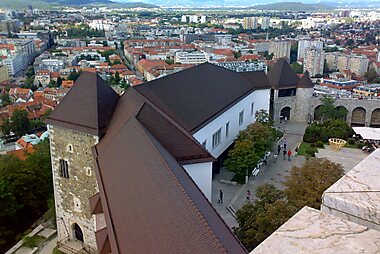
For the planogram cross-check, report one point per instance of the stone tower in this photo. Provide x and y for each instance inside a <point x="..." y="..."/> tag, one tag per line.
<point x="75" y="126"/>
<point x="290" y="95"/>
<point x="305" y="92"/>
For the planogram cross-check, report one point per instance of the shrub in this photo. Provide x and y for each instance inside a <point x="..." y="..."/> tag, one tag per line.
<point x="313" y="144"/>
<point x="351" y="141"/>
<point x="360" y="145"/>
<point x="33" y="241"/>
<point x="310" y="151"/>
<point x="329" y="129"/>
<point x="320" y="144"/>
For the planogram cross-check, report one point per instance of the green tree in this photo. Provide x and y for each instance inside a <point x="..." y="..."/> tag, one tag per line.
<point x="29" y="81"/>
<point x="297" y="68"/>
<point x="18" y="123"/>
<point x="25" y="187"/>
<point x="117" y="77"/>
<point x="242" y="158"/>
<point x="327" y="111"/>
<point x="29" y="72"/>
<point x="260" y="219"/>
<point x="52" y="83"/>
<point x="124" y="85"/>
<point x="5" y="99"/>
<point x="237" y="54"/>
<point x="306" y="184"/>
<point x="268" y="56"/>
<point x="250" y="146"/>
<point x="371" y="75"/>
<point x="59" y="81"/>
<point x="73" y="75"/>
<point x="273" y="207"/>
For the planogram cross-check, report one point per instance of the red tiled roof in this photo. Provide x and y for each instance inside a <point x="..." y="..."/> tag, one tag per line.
<point x="24" y="153"/>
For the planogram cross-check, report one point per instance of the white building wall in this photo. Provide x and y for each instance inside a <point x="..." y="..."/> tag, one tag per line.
<point x="260" y="98"/>
<point x="201" y="173"/>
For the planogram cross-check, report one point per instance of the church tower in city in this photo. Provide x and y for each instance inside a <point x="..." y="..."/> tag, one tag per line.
<point x="75" y="126"/>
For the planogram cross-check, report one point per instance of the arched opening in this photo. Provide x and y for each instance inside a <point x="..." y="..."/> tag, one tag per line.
<point x="285" y="113"/>
<point x="375" y="118"/>
<point x="78" y="233"/>
<point x="341" y="113"/>
<point x="358" y="117"/>
<point x="317" y="114"/>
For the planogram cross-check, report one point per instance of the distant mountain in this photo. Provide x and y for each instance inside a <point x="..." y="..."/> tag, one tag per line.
<point x="294" y="6"/>
<point x="47" y="4"/>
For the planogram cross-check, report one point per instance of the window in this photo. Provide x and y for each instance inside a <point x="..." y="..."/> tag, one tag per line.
<point x="241" y="117"/>
<point x="252" y="106"/>
<point x="227" y="129"/>
<point x="69" y="148"/>
<point x="216" y="138"/>
<point x="88" y="171"/>
<point x="64" y="168"/>
<point x="204" y="143"/>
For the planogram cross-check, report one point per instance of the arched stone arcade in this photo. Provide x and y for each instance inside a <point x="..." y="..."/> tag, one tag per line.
<point x="358" y="117"/>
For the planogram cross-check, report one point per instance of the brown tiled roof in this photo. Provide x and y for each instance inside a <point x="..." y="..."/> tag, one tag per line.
<point x="87" y="107"/>
<point x="180" y="144"/>
<point x="281" y="75"/>
<point x="151" y="204"/>
<point x="197" y="95"/>
<point x="305" y="81"/>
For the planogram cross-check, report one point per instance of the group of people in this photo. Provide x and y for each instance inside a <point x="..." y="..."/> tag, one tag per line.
<point x="283" y="146"/>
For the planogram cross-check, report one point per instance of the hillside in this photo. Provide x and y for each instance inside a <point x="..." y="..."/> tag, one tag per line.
<point x="293" y="6"/>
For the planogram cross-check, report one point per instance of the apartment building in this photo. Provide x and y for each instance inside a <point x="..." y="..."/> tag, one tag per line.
<point x="190" y="57"/>
<point x="314" y="61"/>
<point x="280" y="49"/>
<point x="303" y="45"/>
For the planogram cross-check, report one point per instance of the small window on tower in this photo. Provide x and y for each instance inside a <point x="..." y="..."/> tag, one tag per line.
<point x="77" y="205"/>
<point x="88" y="171"/>
<point x="69" y="148"/>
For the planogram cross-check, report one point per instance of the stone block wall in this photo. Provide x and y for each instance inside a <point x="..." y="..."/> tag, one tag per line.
<point x="303" y="104"/>
<point x="72" y="194"/>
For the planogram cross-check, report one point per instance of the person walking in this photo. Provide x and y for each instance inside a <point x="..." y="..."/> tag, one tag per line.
<point x="220" y="200"/>
<point x="248" y="196"/>
<point x="286" y="119"/>
<point x="278" y="148"/>
<point x="285" y="144"/>
<point x="289" y="154"/>
<point x="284" y="153"/>
<point x="275" y="157"/>
<point x="296" y="151"/>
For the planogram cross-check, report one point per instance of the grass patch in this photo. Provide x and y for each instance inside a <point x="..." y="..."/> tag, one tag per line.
<point x="56" y="251"/>
<point x="357" y="145"/>
<point x="239" y="179"/>
<point x="33" y="241"/>
<point x="305" y="149"/>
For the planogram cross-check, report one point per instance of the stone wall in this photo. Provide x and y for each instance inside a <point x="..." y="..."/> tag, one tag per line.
<point x="72" y="194"/>
<point x="303" y="104"/>
<point x="351" y="104"/>
<point x="282" y="102"/>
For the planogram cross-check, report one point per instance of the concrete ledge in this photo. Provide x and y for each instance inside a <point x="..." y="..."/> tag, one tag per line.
<point x="18" y="245"/>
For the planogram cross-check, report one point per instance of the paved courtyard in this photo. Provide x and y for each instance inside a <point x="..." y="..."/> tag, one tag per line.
<point x="274" y="173"/>
<point x="348" y="157"/>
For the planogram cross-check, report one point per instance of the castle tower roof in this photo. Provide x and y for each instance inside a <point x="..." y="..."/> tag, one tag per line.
<point x="87" y="107"/>
<point x="305" y="81"/>
<point x="282" y="76"/>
